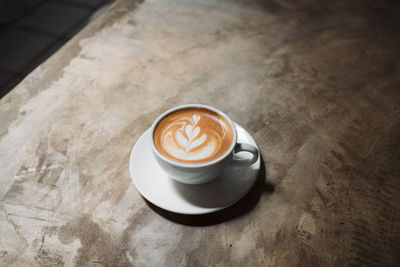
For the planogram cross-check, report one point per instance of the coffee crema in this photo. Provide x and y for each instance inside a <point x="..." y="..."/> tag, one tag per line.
<point x="193" y="135"/>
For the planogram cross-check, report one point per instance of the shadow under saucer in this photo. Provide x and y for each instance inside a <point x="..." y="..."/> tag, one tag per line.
<point x="210" y="199"/>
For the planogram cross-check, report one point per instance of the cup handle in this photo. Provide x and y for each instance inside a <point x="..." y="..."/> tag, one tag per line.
<point x="245" y="162"/>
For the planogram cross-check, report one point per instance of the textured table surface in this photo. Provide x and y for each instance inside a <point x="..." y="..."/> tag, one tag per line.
<point x="316" y="83"/>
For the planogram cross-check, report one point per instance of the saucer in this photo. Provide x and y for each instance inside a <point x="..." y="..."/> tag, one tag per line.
<point x="225" y="190"/>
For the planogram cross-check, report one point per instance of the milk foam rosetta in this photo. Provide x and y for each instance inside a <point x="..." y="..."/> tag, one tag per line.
<point x="193" y="135"/>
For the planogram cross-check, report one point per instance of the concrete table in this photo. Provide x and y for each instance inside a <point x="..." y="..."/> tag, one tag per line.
<point x="317" y="84"/>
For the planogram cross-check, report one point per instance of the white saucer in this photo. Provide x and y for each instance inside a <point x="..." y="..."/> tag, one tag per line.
<point x="154" y="184"/>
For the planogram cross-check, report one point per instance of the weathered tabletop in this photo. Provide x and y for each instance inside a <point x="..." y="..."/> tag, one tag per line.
<point x="316" y="83"/>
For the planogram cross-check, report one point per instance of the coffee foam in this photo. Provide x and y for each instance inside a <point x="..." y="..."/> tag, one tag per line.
<point x="193" y="135"/>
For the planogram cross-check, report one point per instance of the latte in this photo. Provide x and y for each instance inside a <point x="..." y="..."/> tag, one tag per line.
<point x="193" y="136"/>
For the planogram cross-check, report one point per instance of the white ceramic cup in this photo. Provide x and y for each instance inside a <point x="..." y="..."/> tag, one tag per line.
<point x="205" y="172"/>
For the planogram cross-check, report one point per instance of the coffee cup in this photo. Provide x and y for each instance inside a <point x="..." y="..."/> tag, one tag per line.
<point x="194" y="143"/>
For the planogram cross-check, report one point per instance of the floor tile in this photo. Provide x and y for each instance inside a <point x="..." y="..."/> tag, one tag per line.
<point x="12" y="10"/>
<point x="55" y="19"/>
<point x="18" y="48"/>
<point x="4" y="78"/>
<point x="86" y="3"/>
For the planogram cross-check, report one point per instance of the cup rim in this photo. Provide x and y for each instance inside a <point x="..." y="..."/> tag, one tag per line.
<point x="187" y="165"/>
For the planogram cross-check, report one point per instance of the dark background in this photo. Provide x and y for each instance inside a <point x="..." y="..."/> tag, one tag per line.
<point x="32" y="30"/>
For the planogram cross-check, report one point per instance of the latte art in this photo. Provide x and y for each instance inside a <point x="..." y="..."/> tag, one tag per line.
<point x="193" y="135"/>
<point x="186" y="140"/>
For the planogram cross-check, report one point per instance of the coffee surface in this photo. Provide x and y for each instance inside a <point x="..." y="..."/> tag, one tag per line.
<point x="193" y="135"/>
